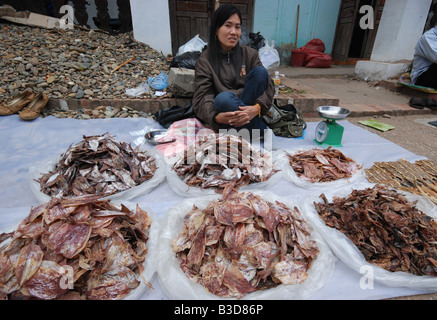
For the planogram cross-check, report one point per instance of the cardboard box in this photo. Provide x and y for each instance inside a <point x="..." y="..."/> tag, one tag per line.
<point x="28" y="18"/>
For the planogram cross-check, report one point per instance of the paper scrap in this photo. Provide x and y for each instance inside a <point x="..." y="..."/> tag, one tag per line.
<point x="377" y="125"/>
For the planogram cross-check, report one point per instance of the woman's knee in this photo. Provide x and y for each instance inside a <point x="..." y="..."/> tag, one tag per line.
<point x="225" y="101"/>
<point x="260" y="73"/>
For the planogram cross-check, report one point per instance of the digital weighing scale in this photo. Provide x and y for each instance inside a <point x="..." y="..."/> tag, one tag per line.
<point x="330" y="133"/>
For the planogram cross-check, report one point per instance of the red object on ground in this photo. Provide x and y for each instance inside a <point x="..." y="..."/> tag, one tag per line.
<point x="311" y="55"/>
<point x="322" y="61"/>
<point x="298" y="57"/>
<point x="316" y="45"/>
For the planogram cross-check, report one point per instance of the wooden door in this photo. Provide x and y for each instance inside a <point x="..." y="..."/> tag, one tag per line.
<point x="246" y="9"/>
<point x="345" y="28"/>
<point x="351" y="42"/>
<point x="370" y="34"/>
<point x="189" y="18"/>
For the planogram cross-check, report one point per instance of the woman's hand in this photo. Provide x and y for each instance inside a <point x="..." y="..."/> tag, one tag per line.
<point x="238" y="118"/>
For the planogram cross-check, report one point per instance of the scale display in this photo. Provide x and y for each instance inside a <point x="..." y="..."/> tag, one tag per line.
<point x="321" y="131"/>
<point x="329" y="132"/>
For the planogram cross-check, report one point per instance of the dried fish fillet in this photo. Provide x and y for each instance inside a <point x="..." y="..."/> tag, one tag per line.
<point x="322" y="165"/>
<point x="233" y="248"/>
<point x="98" y="165"/>
<point x="419" y="177"/>
<point x="102" y="245"/>
<point x="388" y="229"/>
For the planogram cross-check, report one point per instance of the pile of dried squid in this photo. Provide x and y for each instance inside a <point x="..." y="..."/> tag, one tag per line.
<point x="75" y="248"/>
<point x="242" y="243"/>
<point x="219" y="161"/>
<point x="98" y="165"/>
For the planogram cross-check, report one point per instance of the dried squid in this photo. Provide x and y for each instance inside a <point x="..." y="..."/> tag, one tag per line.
<point x="76" y="248"/>
<point x="242" y="243"/>
<point x="218" y="161"/>
<point x="98" y="165"/>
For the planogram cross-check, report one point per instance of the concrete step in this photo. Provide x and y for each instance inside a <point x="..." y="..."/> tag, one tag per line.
<point x="306" y="98"/>
<point x="145" y="105"/>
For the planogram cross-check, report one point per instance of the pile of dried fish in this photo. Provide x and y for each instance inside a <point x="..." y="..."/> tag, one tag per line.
<point x="98" y="165"/>
<point x="242" y="243"/>
<point x="76" y="248"/>
<point x="419" y="177"/>
<point x="387" y="228"/>
<point x="322" y="165"/>
<point x="218" y="161"/>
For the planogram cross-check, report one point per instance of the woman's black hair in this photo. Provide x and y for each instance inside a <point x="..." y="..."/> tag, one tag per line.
<point x="221" y="15"/>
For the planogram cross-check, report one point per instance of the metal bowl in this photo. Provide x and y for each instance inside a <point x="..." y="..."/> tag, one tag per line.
<point x="153" y="136"/>
<point x="333" y="112"/>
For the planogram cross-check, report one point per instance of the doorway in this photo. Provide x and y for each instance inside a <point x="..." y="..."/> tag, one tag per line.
<point x="352" y="43"/>
<point x="189" y="18"/>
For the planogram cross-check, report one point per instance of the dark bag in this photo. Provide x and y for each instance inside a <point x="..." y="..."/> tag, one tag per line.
<point x="257" y="41"/>
<point x="166" y="117"/>
<point x="186" y="60"/>
<point x="286" y="121"/>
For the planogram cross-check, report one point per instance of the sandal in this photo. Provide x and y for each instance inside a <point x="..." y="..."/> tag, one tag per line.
<point x="34" y="108"/>
<point x="432" y="104"/>
<point x="421" y="103"/>
<point x="17" y="103"/>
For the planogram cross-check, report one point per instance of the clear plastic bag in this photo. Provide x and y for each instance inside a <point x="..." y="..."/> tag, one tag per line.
<point x="149" y="265"/>
<point x="269" y="56"/>
<point x="195" y="44"/>
<point x="178" y="185"/>
<point x="138" y="91"/>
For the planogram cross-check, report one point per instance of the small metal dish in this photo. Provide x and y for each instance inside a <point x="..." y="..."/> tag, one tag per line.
<point x="333" y="112"/>
<point x="153" y="136"/>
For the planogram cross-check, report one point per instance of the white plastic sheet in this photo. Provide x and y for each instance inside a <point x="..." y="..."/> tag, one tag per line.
<point x="24" y="143"/>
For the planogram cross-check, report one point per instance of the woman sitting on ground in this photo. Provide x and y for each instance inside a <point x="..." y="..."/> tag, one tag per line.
<point x="232" y="88"/>
<point x="424" y="71"/>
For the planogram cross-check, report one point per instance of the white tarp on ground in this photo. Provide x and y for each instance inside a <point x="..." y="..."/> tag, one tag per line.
<point x="25" y="143"/>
